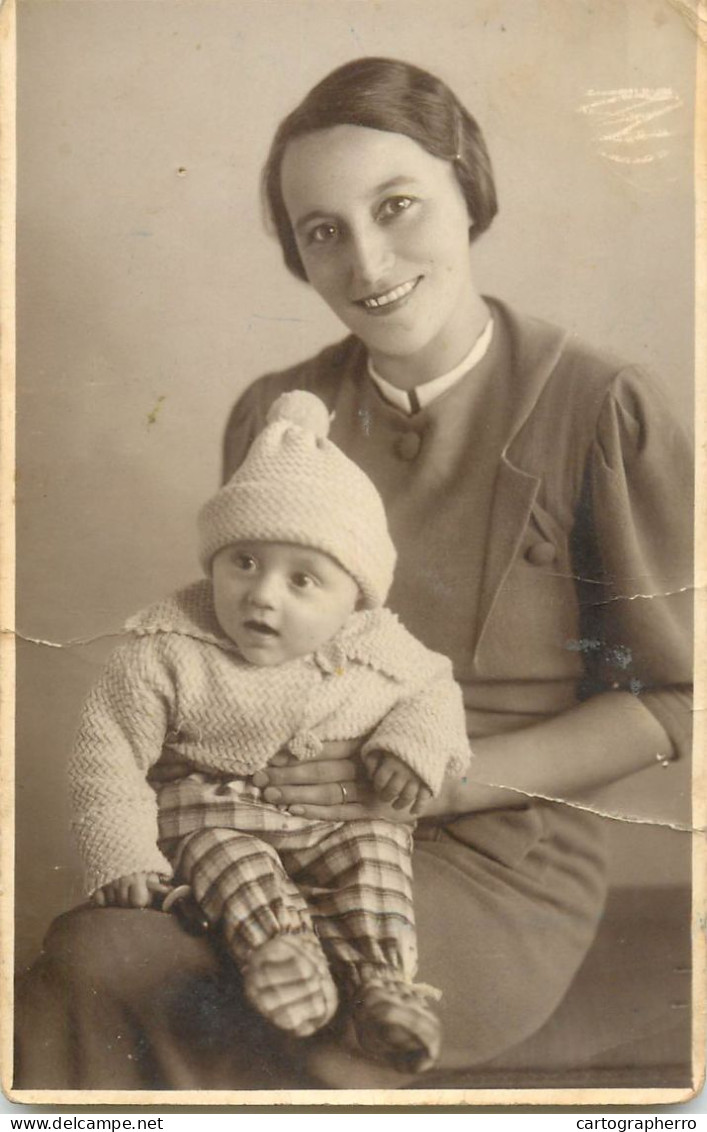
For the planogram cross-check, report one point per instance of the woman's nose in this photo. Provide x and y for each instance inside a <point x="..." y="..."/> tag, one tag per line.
<point x="371" y="259"/>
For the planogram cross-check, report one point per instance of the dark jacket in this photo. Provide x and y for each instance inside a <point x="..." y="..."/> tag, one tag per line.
<point x="586" y="582"/>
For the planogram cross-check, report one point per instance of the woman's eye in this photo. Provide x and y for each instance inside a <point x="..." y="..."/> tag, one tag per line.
<point x="322" y="234"/>
<point x="245" y="562"/>
<point x="394" y="206"/>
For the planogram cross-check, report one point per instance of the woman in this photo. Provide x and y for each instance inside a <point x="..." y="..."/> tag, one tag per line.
<point x="537" y="494"/>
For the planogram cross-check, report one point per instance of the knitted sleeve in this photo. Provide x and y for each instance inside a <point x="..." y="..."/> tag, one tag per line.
<point x="427" y="731"/>
<point x="639" y="492"/>
<point x="120" y="736"/>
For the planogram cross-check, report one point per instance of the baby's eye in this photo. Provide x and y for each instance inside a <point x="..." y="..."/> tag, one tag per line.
<point x="393" y="206"/>
<point x="322" y="234"/>
<point x="245" y="562"/>
<point x="303" y="581"/>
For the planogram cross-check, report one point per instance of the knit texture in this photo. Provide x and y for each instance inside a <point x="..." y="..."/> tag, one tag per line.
<point x="178" y="686"/>
<point x="295" y="486"/>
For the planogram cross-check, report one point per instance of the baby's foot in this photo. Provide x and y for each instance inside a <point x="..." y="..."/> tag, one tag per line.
<point x="288" y="981"/>
<point x="394" y="1023"/>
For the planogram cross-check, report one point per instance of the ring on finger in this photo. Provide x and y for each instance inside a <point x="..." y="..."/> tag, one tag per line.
<point x="344" y="794"/>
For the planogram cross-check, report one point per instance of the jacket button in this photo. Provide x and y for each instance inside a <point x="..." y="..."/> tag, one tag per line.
<point x="408" y="445"/>
<point x="541" y="554"/>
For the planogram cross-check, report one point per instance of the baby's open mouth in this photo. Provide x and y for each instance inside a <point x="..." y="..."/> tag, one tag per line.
<point x="261" y="627"/>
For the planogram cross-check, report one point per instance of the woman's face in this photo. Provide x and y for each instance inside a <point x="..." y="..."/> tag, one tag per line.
<point x="383" y="232"/>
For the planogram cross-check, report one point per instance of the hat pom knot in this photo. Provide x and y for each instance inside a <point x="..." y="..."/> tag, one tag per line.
<point x="302" y="409"/>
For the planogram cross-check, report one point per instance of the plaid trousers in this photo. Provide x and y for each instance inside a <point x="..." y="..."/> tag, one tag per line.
<point x="258" y="872"/>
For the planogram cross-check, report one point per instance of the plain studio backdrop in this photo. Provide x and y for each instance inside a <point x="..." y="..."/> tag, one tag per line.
<point x="150" y="295"/>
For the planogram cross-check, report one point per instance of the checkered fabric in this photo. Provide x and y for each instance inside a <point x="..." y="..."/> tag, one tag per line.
<point x="347" y="883"/>
<point x="288" y="980"/>
<point x="178" y="692"/>
<point x="393" y="1021"/>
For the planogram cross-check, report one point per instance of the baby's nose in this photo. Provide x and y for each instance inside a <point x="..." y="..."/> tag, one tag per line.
<point x="263" y="593"/>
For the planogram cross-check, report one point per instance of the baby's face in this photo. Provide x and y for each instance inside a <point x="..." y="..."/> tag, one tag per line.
<point x="277" y="601"/>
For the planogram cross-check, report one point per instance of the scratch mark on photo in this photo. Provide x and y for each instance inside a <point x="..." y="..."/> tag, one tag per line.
<point x="628" y="118"/>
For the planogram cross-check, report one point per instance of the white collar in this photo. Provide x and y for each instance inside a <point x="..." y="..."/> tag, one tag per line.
<point x="412" y="400"/>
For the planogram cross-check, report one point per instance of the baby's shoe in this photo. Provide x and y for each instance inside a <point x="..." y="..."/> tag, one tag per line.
<point x="289" y="982"/>
<point x="394" y="1023"/>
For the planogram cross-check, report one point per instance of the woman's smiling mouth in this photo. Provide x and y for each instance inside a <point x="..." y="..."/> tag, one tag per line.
<point x="389" y="299"/>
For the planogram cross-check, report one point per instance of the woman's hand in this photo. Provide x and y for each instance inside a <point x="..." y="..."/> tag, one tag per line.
<point x="333" y="787"/>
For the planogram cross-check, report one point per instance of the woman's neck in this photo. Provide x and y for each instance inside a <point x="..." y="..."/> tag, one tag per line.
<point x="440" y="355"/>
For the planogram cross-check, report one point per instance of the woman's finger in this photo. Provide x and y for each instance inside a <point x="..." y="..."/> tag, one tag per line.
<point x="318" y="794"/>
<point x="340" y="749"/>
<point x="350" y="812"/>
<point x="330" y="813"/>
<point x="332" y="750"/>
<point x="309" y="773"/>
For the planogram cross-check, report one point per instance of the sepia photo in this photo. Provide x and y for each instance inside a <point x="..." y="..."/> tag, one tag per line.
<point x="355" y="377"/>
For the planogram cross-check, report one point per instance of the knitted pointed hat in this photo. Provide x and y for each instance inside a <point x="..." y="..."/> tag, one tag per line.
<point x="296" y="486"/>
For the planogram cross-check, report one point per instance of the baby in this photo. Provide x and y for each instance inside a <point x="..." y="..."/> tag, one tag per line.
<point x="286" y="646"/>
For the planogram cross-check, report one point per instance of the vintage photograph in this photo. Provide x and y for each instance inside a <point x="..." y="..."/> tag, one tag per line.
<point x="354" y="633"/>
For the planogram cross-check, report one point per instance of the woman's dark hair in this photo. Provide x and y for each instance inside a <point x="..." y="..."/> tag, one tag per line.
<point x="386" y="94"/>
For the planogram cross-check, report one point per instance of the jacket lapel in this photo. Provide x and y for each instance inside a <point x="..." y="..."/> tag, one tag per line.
<point x="513" y="498"/>
<point x="535" y="348"/>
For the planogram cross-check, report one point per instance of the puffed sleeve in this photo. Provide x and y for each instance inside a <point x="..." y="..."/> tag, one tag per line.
<point x="246" y="420"/>
<point x="640" y="490"/>
<point x="249" y="414"/>
<point x="120" y="736"/>
<point x="321" y="374"/>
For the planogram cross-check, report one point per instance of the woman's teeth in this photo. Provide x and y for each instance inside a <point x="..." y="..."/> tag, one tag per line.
<point x="391" y="296"/>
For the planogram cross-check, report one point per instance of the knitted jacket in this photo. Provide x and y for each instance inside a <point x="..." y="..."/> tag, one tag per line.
<point x="179" y="689"/>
